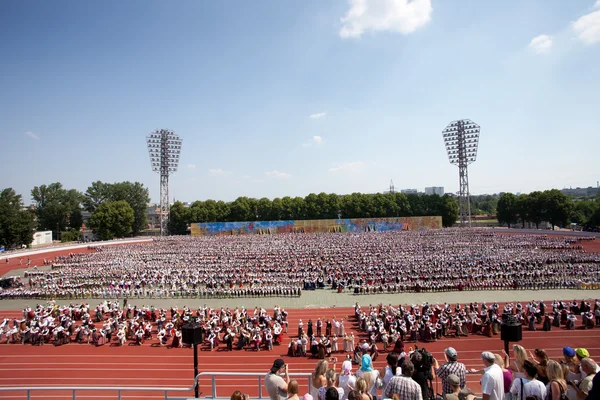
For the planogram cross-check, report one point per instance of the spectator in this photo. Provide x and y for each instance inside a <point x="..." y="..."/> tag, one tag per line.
<point x="528" y="387"/>
<point x="516" y="366"/>
<point x="421" y="374"/>
<point x="369" y="374"/>
<point x="354" y="395"/>
<point x="540" y="357"/>
<point x="404" y="386"/>
<point x="318" y="378"/>
<point x="594" y="393"/>
<point x="457" y="393"/>
<point x="237" y="395"/>
<point x="492" y="382"/>
<point x="391" y="369"/>
<point x="332" y="381"/>
<point x="557" y="388"/>
<point x="362" y="387"/>
<point x="292" y="390"/>
<point x="507" y="376"/>
<point x="347" y="380"/>
<point x="452" y="366"/>
<point x="581" y="354"/>
<point x="332" y="394"/>
<point x="277" y="387"/>
<point x="583" y="388"/>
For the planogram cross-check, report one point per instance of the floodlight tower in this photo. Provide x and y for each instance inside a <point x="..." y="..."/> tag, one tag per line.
<point x="164" y="148"/>
<point x="462" y="139"/>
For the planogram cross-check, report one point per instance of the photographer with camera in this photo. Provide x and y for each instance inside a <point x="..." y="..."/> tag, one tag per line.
<point x="277" y="387"/>
<point x="422" y="361"/>
<point x="452" y="366"/>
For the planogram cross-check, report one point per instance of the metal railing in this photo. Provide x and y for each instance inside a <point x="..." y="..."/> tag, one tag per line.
<point x="165" y="390"/>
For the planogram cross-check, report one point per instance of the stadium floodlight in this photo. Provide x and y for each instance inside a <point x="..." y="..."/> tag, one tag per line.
<point x="462" y="140"/>
<point x="164" y="148"/>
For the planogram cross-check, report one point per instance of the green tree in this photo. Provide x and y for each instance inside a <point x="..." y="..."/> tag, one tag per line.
<point x="403" y="204"/>
<point x="55" y="206"/>
<point x="96" y="194"/>
<point x="243" y="209"/>
<point x="264" y="209"/>
<point x="594" y="219"/>
<point x="352" y="206"/>
<point x="298" y="208"/>
<point x="582" y="211"/>
<point x="558" y="207"/>
<point x="137" y="196"/>
<point x="449" y="211"/>
<point x="72" y="235"/>
<point x="112" y="219"/>
<point x="179" y="218"/>
<point x="507" y="212"/>
<point x="417" y="205"/>
<point x="16" y="224"/>
<point x="198" y="212"/>
<point x="536" y="208"/>
<point x="276" y="209"/>
<point x="333" y="206"/>
<point x="222" y="211"/>
<point x="385" y="205"/>
<point x="287" y="208"/>
<point x="522" y="208"/>
<point x="312" y="207"/>
<point x="134" y="193"/>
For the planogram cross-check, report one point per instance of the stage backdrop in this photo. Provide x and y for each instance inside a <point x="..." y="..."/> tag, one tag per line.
<point x="318" y="225"/>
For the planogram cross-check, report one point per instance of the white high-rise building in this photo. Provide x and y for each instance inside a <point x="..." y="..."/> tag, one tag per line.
<point x="439" y="190"/>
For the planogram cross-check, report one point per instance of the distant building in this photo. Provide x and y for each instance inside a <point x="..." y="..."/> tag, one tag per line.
<point x="439" y="190"/>
<point x="581" y="192"/>
<point x="409" y="191"/>
<point x="153" y="216"/>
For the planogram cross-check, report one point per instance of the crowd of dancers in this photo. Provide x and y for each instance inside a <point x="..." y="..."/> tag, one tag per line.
<point x="385" y="327"/>
<point x="288" y="264"/>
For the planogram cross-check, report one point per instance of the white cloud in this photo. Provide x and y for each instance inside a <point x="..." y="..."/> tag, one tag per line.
<point x="218" y="172"/>
<point x="541" y="44"/>
<point x="318" y="115"/>
<point x="32" y="135"/>
<point x="191" y="166"/>
<point x="278" y="174"/>
<point x="597" y="5"/>
<point x="587" y="27"/>
<point x="403" y="16"/>
<point x="347" y="167"/>
<point x="315" y="140"/>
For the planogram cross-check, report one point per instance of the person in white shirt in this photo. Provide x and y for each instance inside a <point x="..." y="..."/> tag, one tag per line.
<point x="347" y="380"/>
<point x="528" y="386"/>
<point x="492" y="382"/>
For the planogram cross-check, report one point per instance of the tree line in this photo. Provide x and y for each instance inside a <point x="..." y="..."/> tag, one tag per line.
<point x="117" y="210"/>
<point x="314" y="206"/>
<point x="550" y="206"/>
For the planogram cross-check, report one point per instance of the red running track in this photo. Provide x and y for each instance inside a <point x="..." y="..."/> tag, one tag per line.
<point x="154" y="366"/>
<point x="17" y="261"/>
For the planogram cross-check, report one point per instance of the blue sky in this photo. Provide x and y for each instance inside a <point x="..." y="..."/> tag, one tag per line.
<point x="277" y="98"/>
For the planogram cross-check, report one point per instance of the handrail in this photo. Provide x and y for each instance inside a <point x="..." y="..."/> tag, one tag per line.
<point x="75" y="389"/>
<point x="165" y="390"/>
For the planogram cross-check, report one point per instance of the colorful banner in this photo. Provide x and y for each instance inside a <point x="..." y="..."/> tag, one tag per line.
<point x="319" y="225"/>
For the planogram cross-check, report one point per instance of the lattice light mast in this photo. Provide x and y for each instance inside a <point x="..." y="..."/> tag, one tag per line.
<point x="462" y="140"/>
<point x="164" y="148"/>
